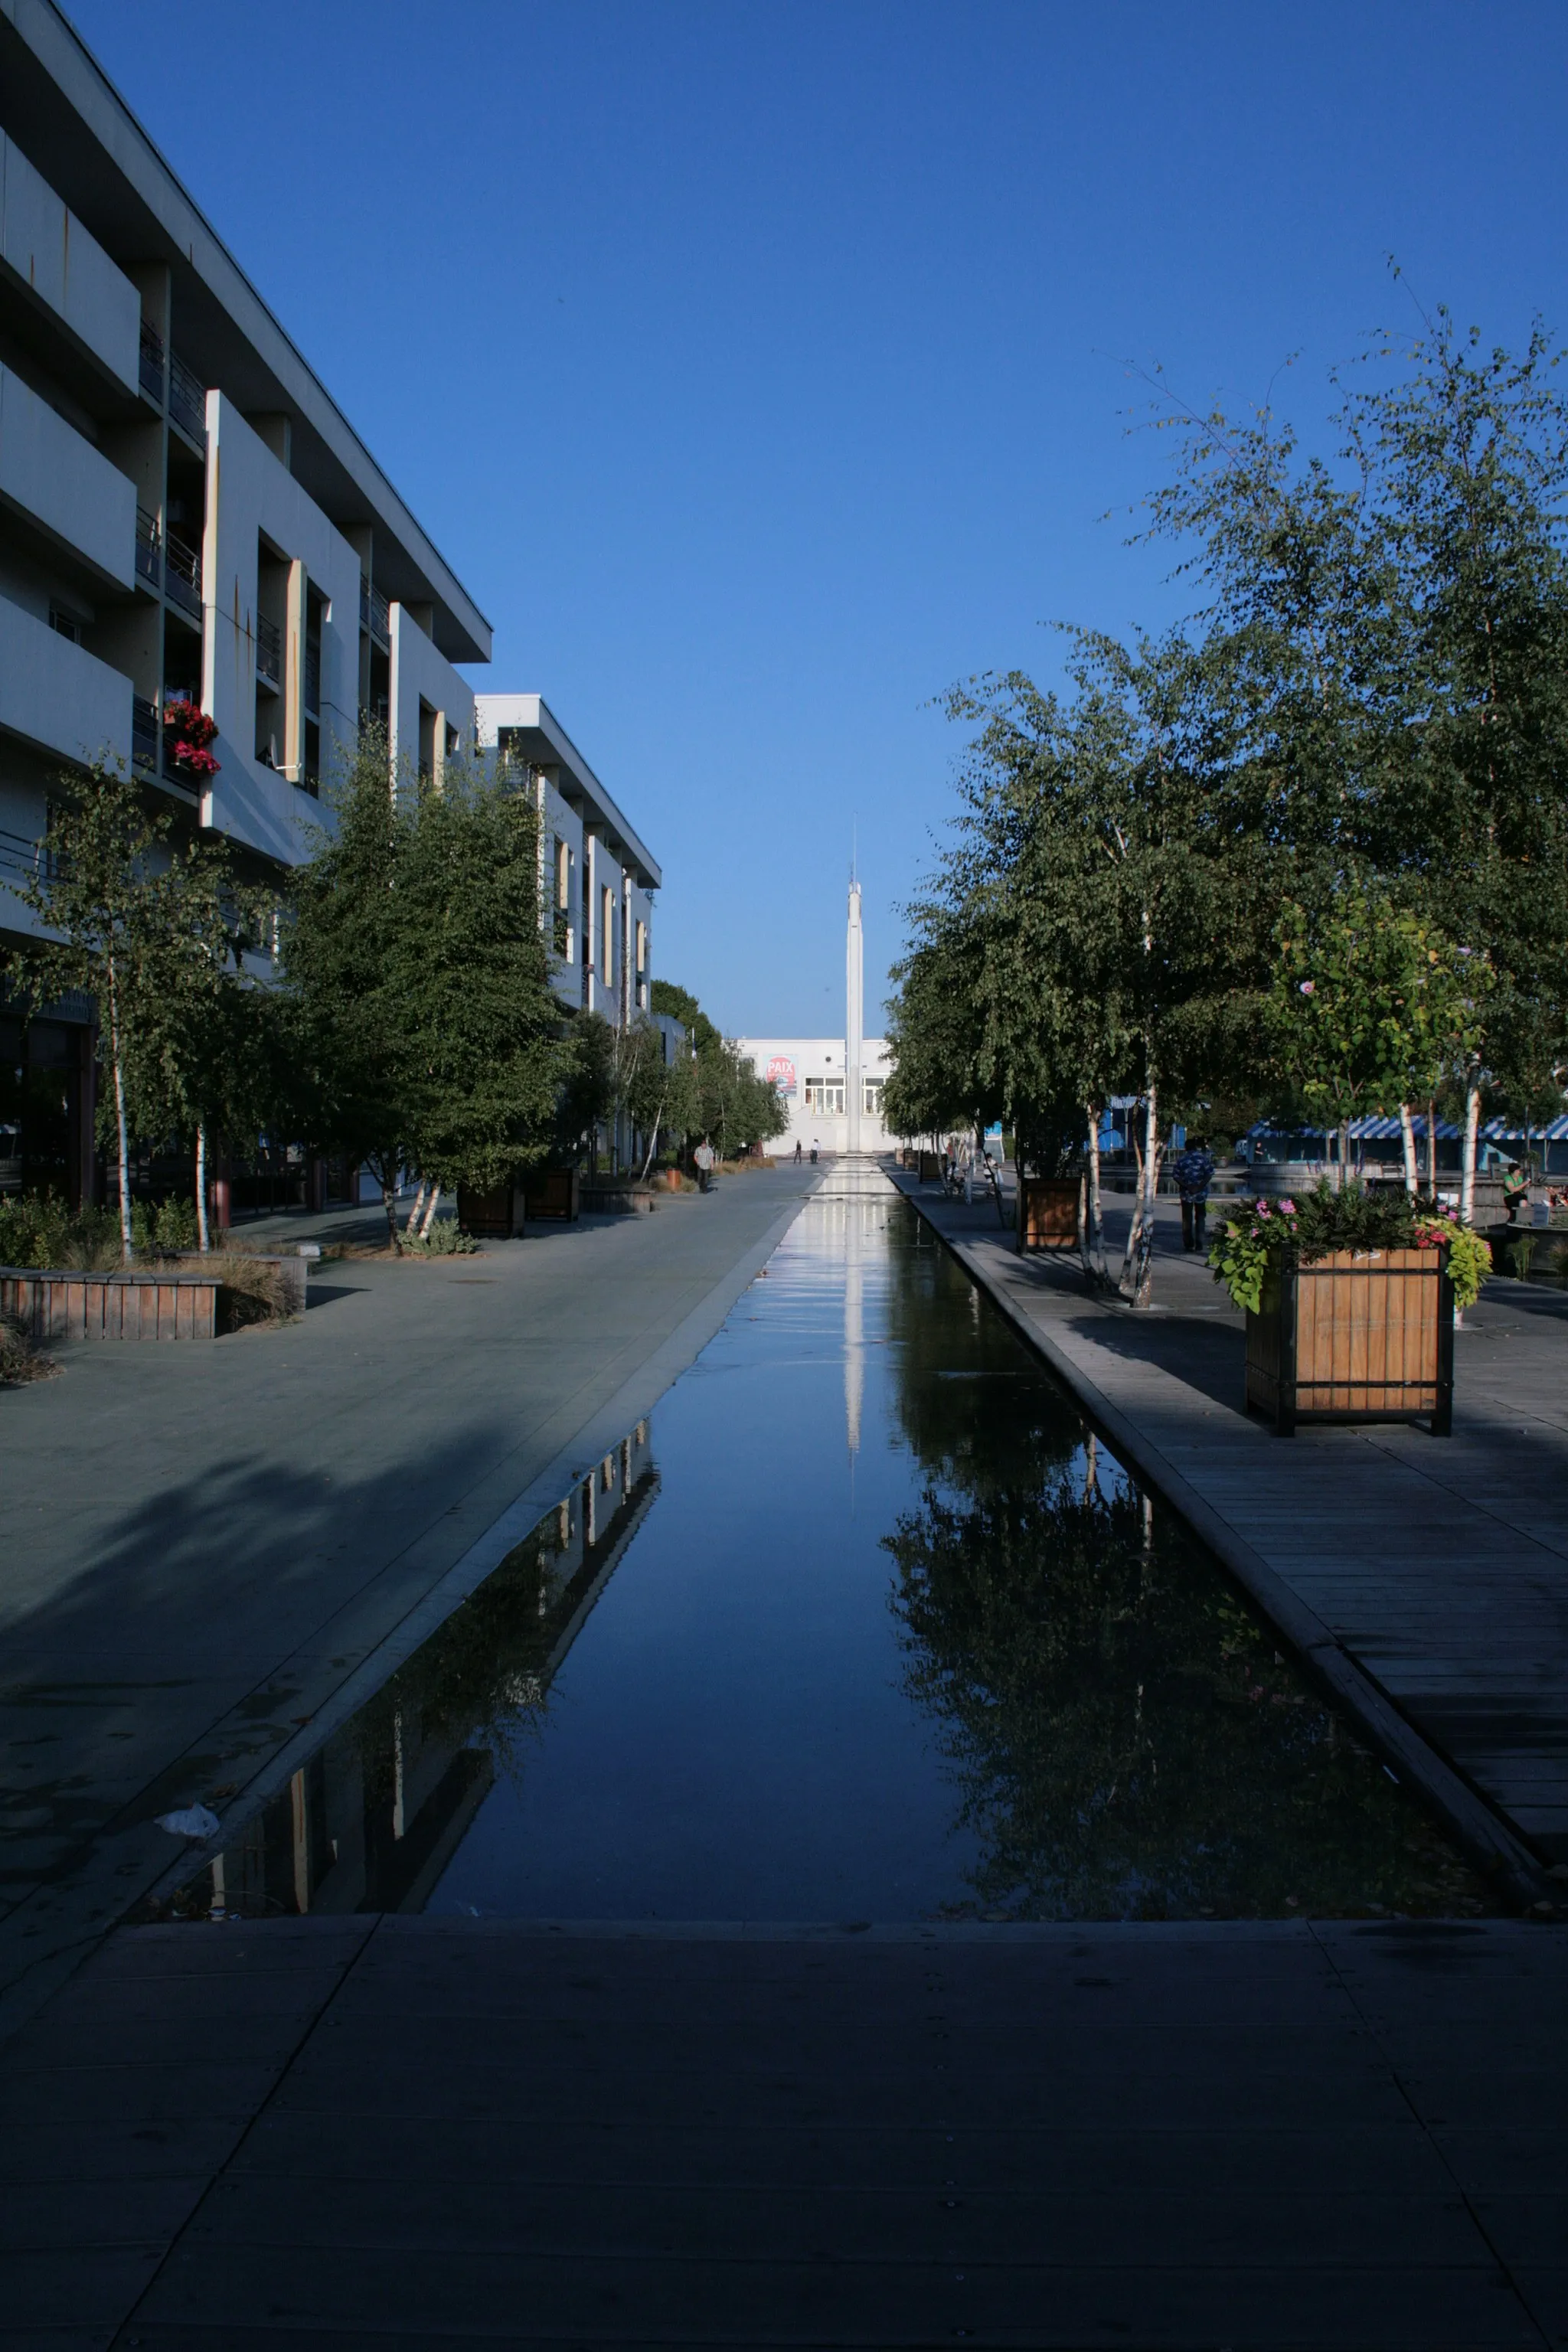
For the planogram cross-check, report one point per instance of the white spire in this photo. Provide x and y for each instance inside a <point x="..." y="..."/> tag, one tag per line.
<point x="853" y="1018"/>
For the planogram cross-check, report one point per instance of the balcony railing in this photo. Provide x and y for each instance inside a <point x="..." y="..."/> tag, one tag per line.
<point x="145" y="733"/>
<point x="18" y="855"/>
<point x="181" y="573"/>
<point x="187" y="398"/>
<point x="150" y="363"/>
<point x="149" y="549"/>
<point x="269" y="652"/>
<point x="373" y="616"/>
<point x="313" y="676"/>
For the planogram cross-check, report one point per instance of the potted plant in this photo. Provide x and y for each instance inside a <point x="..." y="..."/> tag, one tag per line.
<point x="1349" y="1300"/>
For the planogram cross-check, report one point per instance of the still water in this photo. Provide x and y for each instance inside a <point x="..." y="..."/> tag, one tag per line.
<point x="864" y="1625"/>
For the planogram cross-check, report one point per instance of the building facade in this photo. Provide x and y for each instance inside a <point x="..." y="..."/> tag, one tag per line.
<point x="596" y="879"/>
<point x="187" y="517"/>
<point x="831" y="1087"/>
<point x="813" y="1078"/>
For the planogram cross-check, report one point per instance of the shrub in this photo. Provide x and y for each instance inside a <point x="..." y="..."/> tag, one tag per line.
<point x="19" y="1359"/>
<point x="1264" y="1233"/>
<point x="446" y="1238"/>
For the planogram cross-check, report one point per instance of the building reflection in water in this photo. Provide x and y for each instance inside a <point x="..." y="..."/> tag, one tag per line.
<point x="372" y="1820"/>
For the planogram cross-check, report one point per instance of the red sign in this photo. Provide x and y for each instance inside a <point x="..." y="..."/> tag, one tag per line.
<point x="780" y="1074"/>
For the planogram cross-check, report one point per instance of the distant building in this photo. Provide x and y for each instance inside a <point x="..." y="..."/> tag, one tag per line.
<point x="831" y="1087"/>
<point x="813" y="1081"/>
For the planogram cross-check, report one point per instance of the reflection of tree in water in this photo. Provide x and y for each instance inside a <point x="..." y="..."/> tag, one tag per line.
<point x="1127" y="1741"/>
<point x="480" y="1679"/>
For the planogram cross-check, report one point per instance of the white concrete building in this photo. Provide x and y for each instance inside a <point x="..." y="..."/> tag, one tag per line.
<point x="185" y="514"/>
<point x="831" y="1087"/>
<point x="812" y="1074"/>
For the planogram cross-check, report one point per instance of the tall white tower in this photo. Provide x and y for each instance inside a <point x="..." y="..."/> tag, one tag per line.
<point x="853" y="1018"/>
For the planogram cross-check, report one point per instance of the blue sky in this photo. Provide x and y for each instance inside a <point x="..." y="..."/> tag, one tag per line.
<point x="761" y="369"/>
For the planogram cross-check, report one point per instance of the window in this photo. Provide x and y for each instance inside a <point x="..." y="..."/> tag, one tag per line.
<point x="562" y="874"/>
<point x="642" y="949"/>
<point x="65" y="625"/>
<point x="871" y="1097"/>
<point x="607" y="934"/>
<point x="825" y="1095"/>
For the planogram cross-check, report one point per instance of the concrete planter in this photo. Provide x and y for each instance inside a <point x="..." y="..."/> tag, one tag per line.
<point x="625" y="1200"/>
<point x="1047" y="1213"/>
<point x="1355" y="1338"/>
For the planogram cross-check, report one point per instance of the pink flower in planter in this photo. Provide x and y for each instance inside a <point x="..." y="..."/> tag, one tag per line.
<point x="1287" y="1208"/>
<point x="1308" y="987"/>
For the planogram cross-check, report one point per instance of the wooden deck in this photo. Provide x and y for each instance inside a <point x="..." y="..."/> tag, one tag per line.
<point x="427" y="2134"/>
<point x="1426" y="1578"/>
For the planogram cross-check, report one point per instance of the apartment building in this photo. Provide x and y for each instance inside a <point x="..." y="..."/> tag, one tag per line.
<point x="596" y="878"/>
<point x="187" y="517"/>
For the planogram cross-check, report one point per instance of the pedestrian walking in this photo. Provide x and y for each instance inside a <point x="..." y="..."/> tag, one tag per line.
<point x="703" y="1156"/>
<point x="814" y="1151"/>
<point x="797" y="1152"/>
<point x="1195" y="1173"/>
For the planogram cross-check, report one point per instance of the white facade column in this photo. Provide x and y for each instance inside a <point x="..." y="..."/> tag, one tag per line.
<point x="854" y="1021"/>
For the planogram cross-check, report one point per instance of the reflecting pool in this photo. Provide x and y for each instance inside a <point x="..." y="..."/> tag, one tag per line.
<point x="865" y="1625"/>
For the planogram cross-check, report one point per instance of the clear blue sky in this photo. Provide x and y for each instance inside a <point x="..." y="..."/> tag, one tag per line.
<point x="762" y="368"/>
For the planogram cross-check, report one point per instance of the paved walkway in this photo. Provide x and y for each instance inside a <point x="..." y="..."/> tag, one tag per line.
<point x="212" y="1549"/>
<point x="1427" y="1578"/>
<point x="402" y="2133"/>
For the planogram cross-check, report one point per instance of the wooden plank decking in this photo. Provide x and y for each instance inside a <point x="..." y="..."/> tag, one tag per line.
<point x="1429" y="1572"/>
<point x="432" y="2133"/>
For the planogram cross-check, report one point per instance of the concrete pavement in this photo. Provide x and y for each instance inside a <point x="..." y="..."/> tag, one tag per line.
<point x="210" y="1547"/>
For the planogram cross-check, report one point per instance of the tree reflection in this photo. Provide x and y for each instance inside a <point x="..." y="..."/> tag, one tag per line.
<point x="1126" y="1742"/>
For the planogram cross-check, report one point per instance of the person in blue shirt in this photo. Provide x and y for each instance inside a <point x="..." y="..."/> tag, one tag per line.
<point x="1195" y="1173"/>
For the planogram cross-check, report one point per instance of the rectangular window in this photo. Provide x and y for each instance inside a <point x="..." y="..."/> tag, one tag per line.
<point x="607" y="934"/>
<point x="563" y="875"/>
<point x="642" y="949"/>
<point x="825" y="1095"/>
<point x="871" y="1097"/>
<point x="65" y="625"/>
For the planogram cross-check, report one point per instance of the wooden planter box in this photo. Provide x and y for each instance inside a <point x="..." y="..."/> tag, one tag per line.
<point x="494" y="1215"/>
<point x="1355" y="1338"/>
<point x="1048" y="1212"/>
<point x="930" y="1168"/>
<point x="67" y="1306"/>
<point x="552" y="1194"/>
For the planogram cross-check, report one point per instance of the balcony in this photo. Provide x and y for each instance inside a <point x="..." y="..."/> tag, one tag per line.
<point x="144" y="734"/>
<point x="373" y="617"/>
<point x="187" y="399"/>
<point x="181" y="574"/>
<point x="150" y="363"/>
<point x="18" y="855"/>
<point x="149" y="549"/>
<point x="269" y="654"/>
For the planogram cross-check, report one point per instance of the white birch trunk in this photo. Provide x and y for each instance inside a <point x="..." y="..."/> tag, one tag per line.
<point x="1407" y="1138"/>
<point x="430" y="1213"/>
<point x="203" y="1239"/>
<point x="411" y="1224"/>
<point x="1138" y="1262"/>
<point x="126" y="1245"/>
<point x="1468" y="1160"/>
<point x="1092" y="1249"/>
